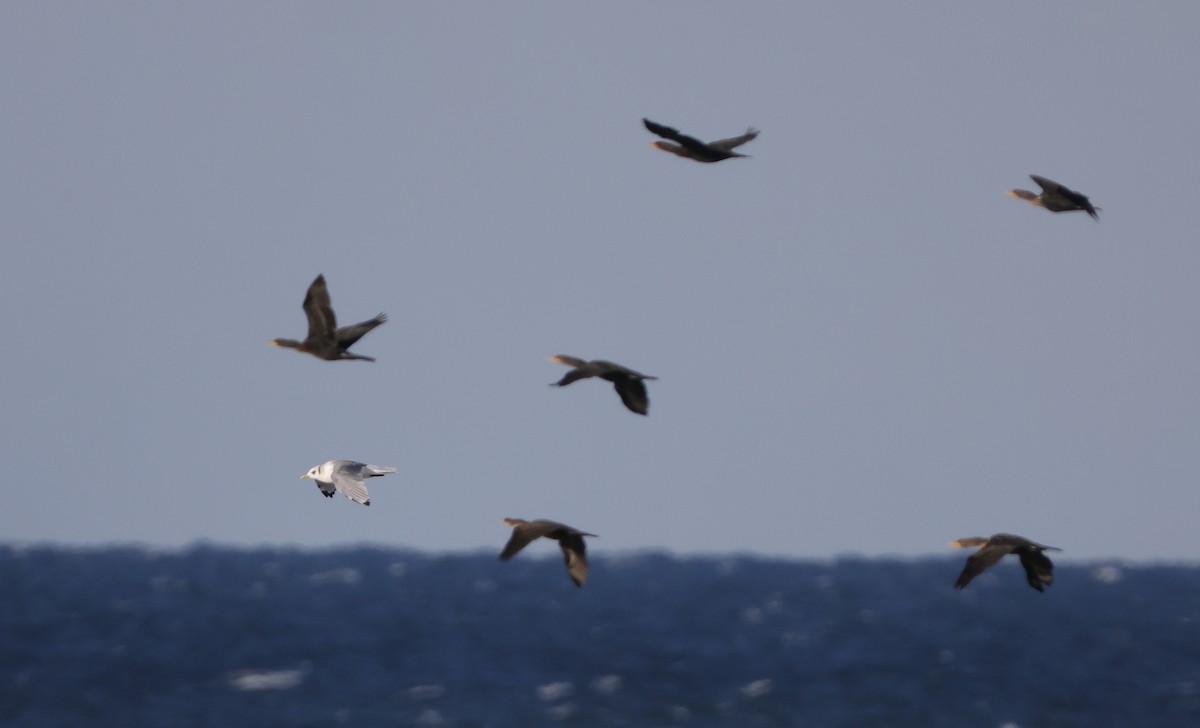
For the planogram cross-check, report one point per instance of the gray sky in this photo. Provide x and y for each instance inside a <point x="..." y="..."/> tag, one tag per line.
<point x="864" y="346"/>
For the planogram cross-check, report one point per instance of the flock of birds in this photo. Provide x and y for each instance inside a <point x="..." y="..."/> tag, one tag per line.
<point x="325" y="340"/>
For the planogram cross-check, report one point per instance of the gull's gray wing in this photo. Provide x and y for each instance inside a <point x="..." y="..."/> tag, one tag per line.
<point x="348" y="479"/>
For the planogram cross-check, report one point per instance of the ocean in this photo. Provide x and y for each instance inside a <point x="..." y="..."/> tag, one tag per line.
<point x="366" y="636"/>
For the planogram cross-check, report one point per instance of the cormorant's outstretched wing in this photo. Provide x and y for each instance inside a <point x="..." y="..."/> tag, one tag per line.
<point x="1078" y="200"/>
<point x="575" y="555"/>
<point x="979" y="561"/>
<point x="348" y="335"/>
<point x="1038" y="568"/>
<point x="684" y="140"/>
<point x="581" y="369"/>
<point x="1048" y="186"/>
<point x="633" y="394"/>
<point x="319" y="310"/>
<point x="572" y="376"/>
<point x="726" y="145"/>
<point x="523" y="534"/>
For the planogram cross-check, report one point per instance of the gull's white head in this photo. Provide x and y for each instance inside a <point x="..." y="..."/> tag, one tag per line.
<point x="320" y="473"/>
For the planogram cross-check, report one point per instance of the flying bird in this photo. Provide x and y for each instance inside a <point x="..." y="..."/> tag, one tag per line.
<point x="1056" y="198"/>
<point x="345" y="477"/>
<point x="693" y="148"/>
<point x="569" y="539"/>
<point x="1039" y="571"/>
<point x="325" y="340"/>
<point x="628" y="383"/>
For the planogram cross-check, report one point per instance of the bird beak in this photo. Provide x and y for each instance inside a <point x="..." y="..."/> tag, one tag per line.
<point x="304" y="477"/>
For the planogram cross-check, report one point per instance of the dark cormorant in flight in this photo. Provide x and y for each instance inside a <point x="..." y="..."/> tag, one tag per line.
<point x="627" y="382"/>
<point x="1056" y="198"/>
<point x="1039" y="570"/>
<point x="569" y="539"/>
<point x="693" y="148"/>
<point x="325" y="340"/>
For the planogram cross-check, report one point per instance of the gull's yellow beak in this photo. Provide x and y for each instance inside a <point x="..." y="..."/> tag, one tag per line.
<point x="304" y="477"/>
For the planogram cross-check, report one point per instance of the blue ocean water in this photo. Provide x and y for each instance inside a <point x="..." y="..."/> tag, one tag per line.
<point x="212" y="636"/>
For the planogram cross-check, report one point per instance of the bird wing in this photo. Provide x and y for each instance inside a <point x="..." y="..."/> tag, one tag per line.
<point x="1079" y="200"/>
<point x="575" y="556"/>
<point x="633" y="394"/>
<point x="667" y="132"/>
<point x="348" y="480"/>
<point x="1039" y="569"/>
<point x="348" y="335"/>
<point x="522" y="535"/>
<point x="580" y="370"/>
<point x="1048" y="186"/>
<point x="317" y="307"/>
<point x="612" y="371"/>
<point x="573" y="376"/>
<point x="727" y="144"/>
<point x="979" y="561"/>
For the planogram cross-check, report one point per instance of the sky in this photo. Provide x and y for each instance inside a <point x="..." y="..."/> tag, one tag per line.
<point x="863" y="345"/>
